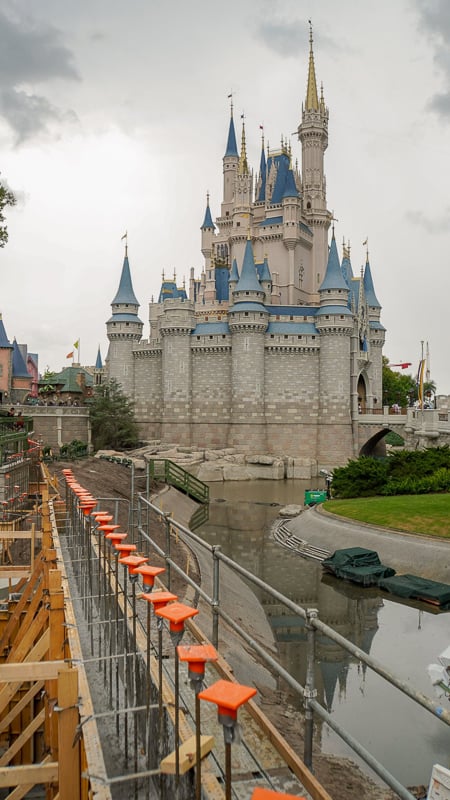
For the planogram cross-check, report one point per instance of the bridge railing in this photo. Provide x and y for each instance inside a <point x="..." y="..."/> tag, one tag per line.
<point x="174" y="475"/>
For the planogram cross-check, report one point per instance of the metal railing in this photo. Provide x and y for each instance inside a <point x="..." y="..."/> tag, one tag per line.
<point x="313" y="625"/>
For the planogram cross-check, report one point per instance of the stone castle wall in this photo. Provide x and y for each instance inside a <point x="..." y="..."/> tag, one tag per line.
<point x="246" y="391"/>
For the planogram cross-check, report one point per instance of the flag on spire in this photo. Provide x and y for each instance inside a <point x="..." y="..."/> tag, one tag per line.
<point x="69" y="355"/>
<point x="77" y="344"/>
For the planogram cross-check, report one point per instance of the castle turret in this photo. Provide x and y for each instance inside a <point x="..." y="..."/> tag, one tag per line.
<point x="248" y="321"/>
<point x="376" y="336"/>
<point x="334" y="322"/>
<point x="207" y="230"/>
<point x="124" y="329"/>
<point x="291" y="215"/>
<point x="230" y="168"/>
<point x="176" y="325"/>
<point x="313" y="135"/>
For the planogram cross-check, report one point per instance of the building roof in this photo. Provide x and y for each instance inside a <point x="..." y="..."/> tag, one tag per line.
<point x="19" y="368"/>
<point x="247" y="306"/>
<point x="264" y="271"/>
<point x="98" y="362"/>
<point x="248" y="280"/>
<point x="207" y="222"/>
<point x="4" y="341"/>
<point x="271" y="221"/>
<point x="369" y="291"/>
<point x="210" y="328"/>
<point x="333" y="278"/>
<point x="125" y="318"/>
<point x="290" y="189"/>
<point x="341" y="310"/>
<point x="125" y="294"/>
<point x="234" y="274"/>
<point x="67" y="381"/>
<point x="170" y="291"/>
<point x="231" y="149"/>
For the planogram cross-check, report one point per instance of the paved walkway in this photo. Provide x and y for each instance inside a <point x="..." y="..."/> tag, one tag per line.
<point x="421" y="555"/>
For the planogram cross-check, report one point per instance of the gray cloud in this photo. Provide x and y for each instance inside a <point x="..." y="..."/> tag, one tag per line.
<point x="30" y="53"/>
<point x="430" y="225"/>
<point x="289" y="38"/>
<point x="435" y="21"/>
<point x="29" y="114"/>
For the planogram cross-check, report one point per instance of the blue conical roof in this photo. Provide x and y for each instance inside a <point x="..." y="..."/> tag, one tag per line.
<point x="231" y="143"/>
<point x="207" y="222"/>
<point x="125" y="294"/>
<point x="369" y="291"/>
<point x="264" y="273"/>
<point x="347" y="270"/>
<point x="248" y="282"/>
<point x="4" y="341"/>
<point x="262" y="172"/>
<point x="290" y="187"/>
<point x="19" y="368"/>
<point x="234" y="274"/>
<point x="99" y="363"/>
<point x="334" y="278"/>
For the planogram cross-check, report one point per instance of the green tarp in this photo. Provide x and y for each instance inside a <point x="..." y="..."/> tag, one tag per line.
<point x="418" y="588"/>
<point x="358" y="565"/>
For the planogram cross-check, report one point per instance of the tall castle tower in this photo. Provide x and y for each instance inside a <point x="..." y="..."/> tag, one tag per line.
<point x="313" y="135"/>
<point x="277" y="344"/>
<point x="124" y="329"/>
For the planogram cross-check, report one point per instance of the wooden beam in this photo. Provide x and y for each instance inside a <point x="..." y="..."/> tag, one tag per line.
<point x="27" y="593"/>
<point x="24" y="736"/>
<point x="29" y="774"/>
<point x="11" y="535"/>
<point x="32" y="692"/>
<point x="32" y="671"/>
<point x="187" y="755"/>
<point x="68" y="741"/>
<point x="39" y="650"/>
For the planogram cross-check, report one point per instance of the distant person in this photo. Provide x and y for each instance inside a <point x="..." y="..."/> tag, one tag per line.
<point x="11" y="412"/>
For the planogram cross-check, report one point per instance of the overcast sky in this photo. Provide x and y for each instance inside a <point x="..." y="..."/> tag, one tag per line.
<point x="114" y="116"/>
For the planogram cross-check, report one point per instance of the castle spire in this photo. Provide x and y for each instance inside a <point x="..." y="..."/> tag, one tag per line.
<point x="312" y="99"/>
<point x="243" y="163"/>
<point x="231" y="149"/>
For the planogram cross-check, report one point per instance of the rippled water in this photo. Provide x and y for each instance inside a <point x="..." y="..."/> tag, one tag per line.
<point x="405" y="738"/>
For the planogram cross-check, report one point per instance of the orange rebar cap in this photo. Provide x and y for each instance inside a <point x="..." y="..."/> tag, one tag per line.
<point x="159" y="599"/>
<point x="149" y="573"/>
<point x="269" y="794"/>
<point x="116" y="538"/>
<point x="125" y="548"/>
<point x="132" y="562"/>
<point x="177" y="614"/>
<point x="228" y="696"/>
<point x="197" y="655"/>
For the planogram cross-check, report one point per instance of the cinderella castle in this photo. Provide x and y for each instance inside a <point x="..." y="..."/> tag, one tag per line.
<point x="277" y="346"/>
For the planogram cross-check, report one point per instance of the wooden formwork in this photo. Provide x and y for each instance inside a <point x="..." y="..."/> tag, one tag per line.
<point x="41" y="739"/>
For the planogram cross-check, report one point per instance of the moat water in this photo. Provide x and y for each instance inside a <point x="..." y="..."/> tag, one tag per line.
<point x="405" y="738"/>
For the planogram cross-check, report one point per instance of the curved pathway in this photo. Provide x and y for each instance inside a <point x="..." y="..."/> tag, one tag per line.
<point x="425" y="556"/>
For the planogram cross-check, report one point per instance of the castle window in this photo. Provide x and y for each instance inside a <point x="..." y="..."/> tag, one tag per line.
<point x="277" y="316"/>
<point x="245" y="313"/>
<point x="238" y="224"/>
<point x="247" y="293"/>
<point x="291" y="318"/>
<point x="305" y="318"/>
<point x="327" y="316"/>
<point x="272" y="336"/>
<point x="227" y="213"/>
<point x="285" y="336"/>
<point x="223" y="336"/>
<point x="341" y="316"/>
<point x="198" y="338"/>
<point x="308" y="204"/>
<point x="206" y="319"/>
<point x="210" y="337"/>
<point x="299" y="337"/>
<point x="313" y="337"/>
<point x="127" y="324"/>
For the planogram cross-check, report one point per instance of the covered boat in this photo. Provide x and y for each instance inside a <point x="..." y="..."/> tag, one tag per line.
<point x="418" y="588"/>
<point x="358" y="565"/>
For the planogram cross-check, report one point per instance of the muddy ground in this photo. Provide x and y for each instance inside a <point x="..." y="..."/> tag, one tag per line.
<point x="341" y="777"/>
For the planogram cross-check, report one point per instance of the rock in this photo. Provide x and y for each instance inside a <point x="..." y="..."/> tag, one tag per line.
<point x="267" y="460"/>
<point x="209" y="472"/>
<point x="236" y="472"/>
<point x="290" y="511"/>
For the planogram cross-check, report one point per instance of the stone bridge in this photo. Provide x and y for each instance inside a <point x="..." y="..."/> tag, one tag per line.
<point x="418" y="428"/>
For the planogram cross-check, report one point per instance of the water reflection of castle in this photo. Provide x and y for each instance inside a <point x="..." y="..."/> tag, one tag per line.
<point x="243" y="531"/>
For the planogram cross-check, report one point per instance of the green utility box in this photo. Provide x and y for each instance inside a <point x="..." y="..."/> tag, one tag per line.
<point x="314" y="496"/>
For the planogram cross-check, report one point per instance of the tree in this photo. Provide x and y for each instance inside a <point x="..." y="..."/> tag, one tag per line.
<point x="112" y="418"/>
<point x="397" y="387"/>
<point x="6" y="199"/>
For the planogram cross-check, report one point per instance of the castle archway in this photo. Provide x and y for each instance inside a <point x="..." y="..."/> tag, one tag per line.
<point x="362" y="394"/>
<point x="376" y="445"/>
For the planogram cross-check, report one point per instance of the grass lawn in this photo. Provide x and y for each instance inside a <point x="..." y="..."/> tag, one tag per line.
<point x="427" y="514"/>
